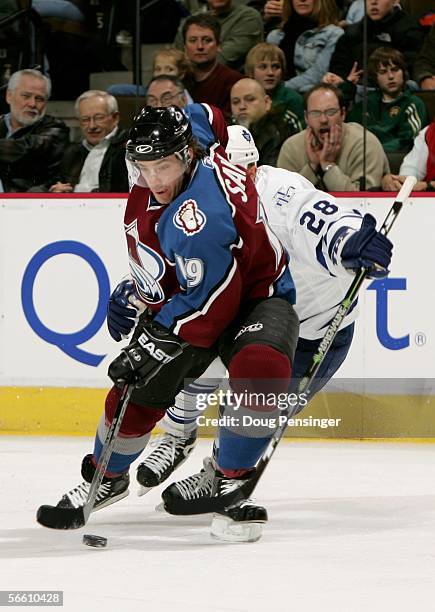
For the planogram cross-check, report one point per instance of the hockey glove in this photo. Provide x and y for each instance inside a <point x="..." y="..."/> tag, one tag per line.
<point x="369" y="249"/>
<point x="141" y="360"/>
<point x="123" y="310"/>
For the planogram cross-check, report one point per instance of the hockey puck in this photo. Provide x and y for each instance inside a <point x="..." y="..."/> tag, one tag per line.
<point x="95" y="541"/>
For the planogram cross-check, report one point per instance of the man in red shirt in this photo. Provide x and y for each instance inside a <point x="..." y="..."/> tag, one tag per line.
<point x="211" y="80"/>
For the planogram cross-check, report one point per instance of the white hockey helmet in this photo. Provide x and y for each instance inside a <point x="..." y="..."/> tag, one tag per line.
<point x="241" y="147"/>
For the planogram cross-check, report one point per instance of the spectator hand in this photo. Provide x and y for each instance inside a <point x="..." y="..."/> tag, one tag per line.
<point x="355" y="74"/>
<point x="312" y="148"/>
<point x="61" y="188"/>
<point x="272" y="8"/>
<point x="420" y="186"/>
<point x="393" y="182"/>
<point x="331" y="146"/>
<point x="332" y="79"/>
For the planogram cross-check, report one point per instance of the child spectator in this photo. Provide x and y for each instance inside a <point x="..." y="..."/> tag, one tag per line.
<point x="173" y="62"/>
<point x="266" y="64"/>
<point x="395" y="116"/>
<point x="387" y="26"/>
<point x="308" y="36"/>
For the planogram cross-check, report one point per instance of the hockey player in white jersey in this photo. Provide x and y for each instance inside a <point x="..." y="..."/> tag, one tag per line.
<point x="326" y="243"/>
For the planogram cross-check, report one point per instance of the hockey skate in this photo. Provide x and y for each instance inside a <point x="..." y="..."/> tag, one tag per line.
<point x="110" y="491"/>
<point x="205" y="492"/>
<point x="191" y="495"/>
<point x="170" y="452"/>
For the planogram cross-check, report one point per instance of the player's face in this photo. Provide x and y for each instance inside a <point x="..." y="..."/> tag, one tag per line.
<point x="248" y="102"/>
<point x="201" y="47"/>
<point x="95" y="121"/>
<point x="164" y="93"/>
<point x="27" y="101"/>
<point x="390" y="80"/>
<point x="164" y="177"/>
<point x="378" y="9"/>
<point x="323" y="111"/>
<point x="268" y="73"/>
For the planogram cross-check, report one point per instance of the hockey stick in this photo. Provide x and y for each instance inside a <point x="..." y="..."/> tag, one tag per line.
<point x="245" y="490"/>
<point x="74" y="518"/>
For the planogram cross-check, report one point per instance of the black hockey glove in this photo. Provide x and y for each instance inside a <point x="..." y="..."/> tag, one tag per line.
<point x="368" y="248"/>
<point x="141" y="360"/>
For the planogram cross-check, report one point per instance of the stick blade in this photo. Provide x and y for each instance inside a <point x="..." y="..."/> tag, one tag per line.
<point x="60" y="518"/>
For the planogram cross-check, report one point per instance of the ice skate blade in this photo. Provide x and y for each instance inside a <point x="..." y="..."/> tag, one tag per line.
<point x="225" y="529"/>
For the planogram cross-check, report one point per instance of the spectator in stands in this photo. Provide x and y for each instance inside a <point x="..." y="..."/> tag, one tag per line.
<point x="420" y="162"/>
<point x="308" y="35"/>
<point x="329" y="152"/>
<point x="266" y="64"/>
<point x="211" y="80"/>
<point x="165" y="90"/>
<point x="387" y="26"/>
<point x="424" y="67"/>
<point x="241" y="28"/>
<point x="173" y="62"/>
<point x="394" y="114"/>
<point x="31" y="142"/>
<point x="252" y="108"/>
<point x="354" y="13"/>
<point x="98" y="162"/>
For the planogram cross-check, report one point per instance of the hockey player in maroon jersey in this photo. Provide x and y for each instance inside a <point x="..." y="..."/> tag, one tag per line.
<point x="216" y="282"/>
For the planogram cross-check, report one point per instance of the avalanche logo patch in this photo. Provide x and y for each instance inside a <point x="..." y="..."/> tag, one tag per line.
<point x="146" y="265"/>
<point x="189" y="218"/>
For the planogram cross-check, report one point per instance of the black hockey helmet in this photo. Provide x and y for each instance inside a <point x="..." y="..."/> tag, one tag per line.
<point x="158" y="133"/>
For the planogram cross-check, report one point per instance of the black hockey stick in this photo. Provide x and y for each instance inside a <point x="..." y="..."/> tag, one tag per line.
<point x="245" y="490"/>
<point x="74" y="518"/>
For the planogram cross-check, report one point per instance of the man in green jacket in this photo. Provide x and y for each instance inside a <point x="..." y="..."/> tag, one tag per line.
<point x="395" y="115"/>
<point x="241" y="29"/>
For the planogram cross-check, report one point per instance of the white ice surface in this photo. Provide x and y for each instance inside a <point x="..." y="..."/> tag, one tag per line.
<point x="351" y="528"/>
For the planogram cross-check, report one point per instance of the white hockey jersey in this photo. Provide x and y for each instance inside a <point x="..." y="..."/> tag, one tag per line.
<point x="313" y="227"/>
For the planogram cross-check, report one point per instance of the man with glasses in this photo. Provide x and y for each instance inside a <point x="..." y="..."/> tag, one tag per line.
<point x="329" y="152"/>
<point x="165" y="90"/>
<point x="31" y="142"/>
<point x="97" y="163"/>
